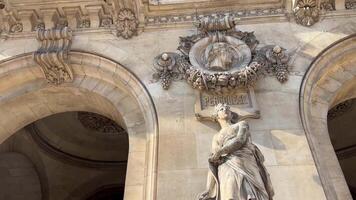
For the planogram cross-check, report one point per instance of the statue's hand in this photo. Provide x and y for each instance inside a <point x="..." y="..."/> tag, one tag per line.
<point x="204" y="195"/>
<point x="216" y="158"/>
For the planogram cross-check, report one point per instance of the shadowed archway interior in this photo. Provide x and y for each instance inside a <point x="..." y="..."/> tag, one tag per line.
<point x="341" y="125"/>
<point x="67" y="151"/>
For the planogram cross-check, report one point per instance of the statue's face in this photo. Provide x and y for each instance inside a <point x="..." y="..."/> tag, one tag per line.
<point x="224" y="113"/>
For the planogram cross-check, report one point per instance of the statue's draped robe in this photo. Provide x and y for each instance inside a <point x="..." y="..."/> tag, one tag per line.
<point x="242" y="176"/>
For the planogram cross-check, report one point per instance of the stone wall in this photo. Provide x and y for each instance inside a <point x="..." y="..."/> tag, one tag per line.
<point x="184" y="143"/>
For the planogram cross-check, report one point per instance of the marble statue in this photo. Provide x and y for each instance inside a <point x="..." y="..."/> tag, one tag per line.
<point x="236" y="170"/>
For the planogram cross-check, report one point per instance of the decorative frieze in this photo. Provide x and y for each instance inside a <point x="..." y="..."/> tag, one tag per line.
<point x="85" y="14"/>
<point x="306" y="12"/>
<point x="52" y="55"/>
<point x="189" y="18"/>
<point x="220" y="58"/>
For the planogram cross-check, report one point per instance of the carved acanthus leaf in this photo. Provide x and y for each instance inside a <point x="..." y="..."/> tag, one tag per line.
<point x="306" y="12"/>
<point x="52" y="55"/>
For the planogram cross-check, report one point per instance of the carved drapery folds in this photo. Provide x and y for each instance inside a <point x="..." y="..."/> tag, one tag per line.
<point x="306" y="12"/>
<point x="127" y="23"/>
<point x="220" y="59"/>
<point x="52" y="55"/>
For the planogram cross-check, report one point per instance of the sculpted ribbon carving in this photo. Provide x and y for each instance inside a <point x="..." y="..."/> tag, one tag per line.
<point x="52" y="55"/>
<point x="220" y="58"/>
<point x="236" y="169"/>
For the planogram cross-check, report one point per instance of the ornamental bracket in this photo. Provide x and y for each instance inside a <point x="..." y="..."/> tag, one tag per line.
<point x="52" y="54"/>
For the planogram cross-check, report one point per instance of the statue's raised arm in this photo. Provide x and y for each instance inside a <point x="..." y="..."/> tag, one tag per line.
<point x="236" y="168"/>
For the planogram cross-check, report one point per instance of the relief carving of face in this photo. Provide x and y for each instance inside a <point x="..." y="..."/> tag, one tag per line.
<point x="220" y="56"/>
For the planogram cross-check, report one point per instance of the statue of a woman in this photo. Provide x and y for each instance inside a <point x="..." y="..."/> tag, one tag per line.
<point x="236" y="170"/>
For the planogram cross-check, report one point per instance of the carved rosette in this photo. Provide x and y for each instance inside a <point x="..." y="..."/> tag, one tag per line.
<point x="52" y="55"/>
<point x="127" y="23"/>
<point x="306" y="12"/>
<point x="220" y="59"/>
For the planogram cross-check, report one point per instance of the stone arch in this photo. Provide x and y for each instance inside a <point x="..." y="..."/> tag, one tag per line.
<point x="100" y="85"/>
<point x="330" y="79"/>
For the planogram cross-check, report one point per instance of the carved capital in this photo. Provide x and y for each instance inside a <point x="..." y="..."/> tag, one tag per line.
<point x="52" y="55"/>
<point x="127" y="23"/>
<point x="306" y="12"/>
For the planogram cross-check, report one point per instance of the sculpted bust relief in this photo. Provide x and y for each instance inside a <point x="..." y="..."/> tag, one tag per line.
<point x="236" y="170"/>
<point x="219" y="56"/>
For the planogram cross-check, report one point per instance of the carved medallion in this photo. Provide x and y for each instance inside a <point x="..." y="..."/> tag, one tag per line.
<point x="220" y="59"/>
<point x="96" y="122"/>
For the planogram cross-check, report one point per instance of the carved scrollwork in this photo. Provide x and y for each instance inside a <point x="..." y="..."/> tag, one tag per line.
<point x="220" y="59"/>
<point x="306" y="12"/>
<point x="52" y="55"/>
<point x="127" y="24"/>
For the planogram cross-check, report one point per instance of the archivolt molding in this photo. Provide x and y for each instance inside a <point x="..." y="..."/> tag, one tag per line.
<point x="325" y="84"/>
<point x="27" y="97"/>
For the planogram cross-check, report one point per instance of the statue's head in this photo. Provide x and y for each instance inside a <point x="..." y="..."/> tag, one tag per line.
<point x="222" y="111"/>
